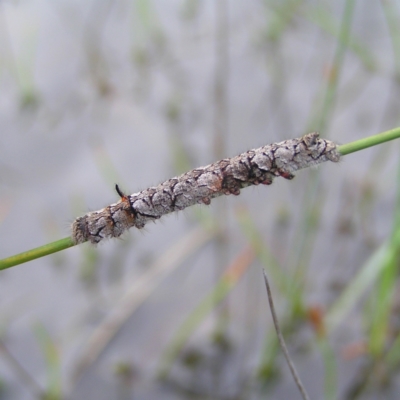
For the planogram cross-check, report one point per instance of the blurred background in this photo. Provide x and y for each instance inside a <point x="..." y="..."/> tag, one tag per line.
<point x="134" y="92"/>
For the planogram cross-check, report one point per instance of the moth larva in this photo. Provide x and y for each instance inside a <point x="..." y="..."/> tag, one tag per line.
<point x="202" y="184"/>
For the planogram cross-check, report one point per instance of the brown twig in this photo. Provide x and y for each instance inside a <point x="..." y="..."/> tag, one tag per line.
<point x="282" y="341"/>
<point x="21" y="371"/>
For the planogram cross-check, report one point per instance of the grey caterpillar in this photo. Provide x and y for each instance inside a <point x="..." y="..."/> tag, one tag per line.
<point x="201" y="185"/>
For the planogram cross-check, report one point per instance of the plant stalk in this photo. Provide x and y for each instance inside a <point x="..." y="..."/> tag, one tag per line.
<point x="67" y="242"/>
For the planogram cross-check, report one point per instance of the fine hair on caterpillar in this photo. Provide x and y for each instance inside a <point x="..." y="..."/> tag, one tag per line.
<point x="201" y="185"/>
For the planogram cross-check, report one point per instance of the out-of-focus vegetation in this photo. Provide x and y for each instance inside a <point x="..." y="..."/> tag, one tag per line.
<point x="134" y="92"/>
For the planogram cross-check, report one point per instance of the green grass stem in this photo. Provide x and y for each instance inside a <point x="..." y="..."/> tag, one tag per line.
<point x="369" y="141"/>
<point x="330" y="94"/>
<point x="65" y="243"/>
<point x="306" y="231"/>
<point x="322" y="16"/>
<point x="330" y="366"/>
<point x="52" y="360"/>
<point x="38" y="252"/>
<point x="386" y="287"/>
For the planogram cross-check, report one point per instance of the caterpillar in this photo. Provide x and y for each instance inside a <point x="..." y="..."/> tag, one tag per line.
<point x="201" y="185"/>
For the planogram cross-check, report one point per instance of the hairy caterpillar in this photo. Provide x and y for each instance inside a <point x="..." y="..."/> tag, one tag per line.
<point x="202" y="184"/>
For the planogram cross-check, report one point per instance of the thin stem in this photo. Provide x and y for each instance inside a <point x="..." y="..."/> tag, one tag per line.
<point x="38" y="252"/>
<point x="343" y="44"/>
<point x="65" y="243"/>
<point x="23" y="374"/>
<point x="369" y="141"/>
<point x="282" y="341"/>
